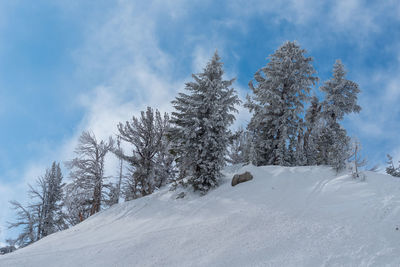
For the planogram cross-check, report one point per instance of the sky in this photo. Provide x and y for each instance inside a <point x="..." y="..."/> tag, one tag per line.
<point x="68" y="66"/>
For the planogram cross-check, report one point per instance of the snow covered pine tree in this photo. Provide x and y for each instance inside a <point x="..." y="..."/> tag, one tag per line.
<point x="277" y="104"/>
<point x="201" y="119"/>
<point x="237" y="147"/>
<point x="391" y="169"/>
<point x="314" y="128"/>
<point x="340" y="99"/>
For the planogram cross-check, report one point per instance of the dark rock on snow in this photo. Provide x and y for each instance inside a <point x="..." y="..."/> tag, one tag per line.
<point x="241" y="178"/>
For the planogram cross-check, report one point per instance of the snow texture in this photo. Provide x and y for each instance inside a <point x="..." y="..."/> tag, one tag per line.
<point x="285" y="216"/>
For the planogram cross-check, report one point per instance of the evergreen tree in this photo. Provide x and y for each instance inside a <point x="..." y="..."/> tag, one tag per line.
<point x="150" y="163"/>
<point x="236" y="147"/>
<point x="281" y="90"/>
<point x="340" y="95"/>
<point x="340" y="99"/>
<point x="240" y="147"/>
<point x="299" y="157"/>
<point x="391" y="169"/>
<point x="333" y="146"/>
<point x="313" y="124"/>
<point x="87" y="172"/>
<point x="201" y="119"/>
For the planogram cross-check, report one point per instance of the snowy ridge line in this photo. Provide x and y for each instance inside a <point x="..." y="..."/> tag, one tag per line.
<point x="285" y="216"/>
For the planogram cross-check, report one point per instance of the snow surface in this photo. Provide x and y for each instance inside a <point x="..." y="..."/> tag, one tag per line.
<point x="297" y="216"/>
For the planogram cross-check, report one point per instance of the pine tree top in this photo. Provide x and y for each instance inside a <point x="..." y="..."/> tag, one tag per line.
<point x="341" y="94"/>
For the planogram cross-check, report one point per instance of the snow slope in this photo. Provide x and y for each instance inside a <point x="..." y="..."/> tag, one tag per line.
<point x="301" y="216"/>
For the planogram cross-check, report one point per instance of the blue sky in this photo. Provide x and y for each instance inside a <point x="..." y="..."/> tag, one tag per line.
<point x="67" y="66"/>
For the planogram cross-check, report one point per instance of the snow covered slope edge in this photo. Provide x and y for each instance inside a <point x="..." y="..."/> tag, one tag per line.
<point x="297" y="216"/>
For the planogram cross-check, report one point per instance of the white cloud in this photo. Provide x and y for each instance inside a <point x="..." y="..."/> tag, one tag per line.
<point x="353" y="13"/>
<point x="377" y="124"/>
<point x="354" y="20"/>
<point x="292" y="11"/>
<point x="392" y="91"/>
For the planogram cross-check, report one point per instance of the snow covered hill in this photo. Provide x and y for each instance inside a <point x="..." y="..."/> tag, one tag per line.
<point x="301" y="216"/>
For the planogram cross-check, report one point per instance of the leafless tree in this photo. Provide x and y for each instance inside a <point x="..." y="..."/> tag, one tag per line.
<point x="147" y="135"/>
<point x="87" y="170"/>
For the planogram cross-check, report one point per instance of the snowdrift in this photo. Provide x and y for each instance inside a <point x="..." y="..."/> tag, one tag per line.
<point x="300" y="216"/>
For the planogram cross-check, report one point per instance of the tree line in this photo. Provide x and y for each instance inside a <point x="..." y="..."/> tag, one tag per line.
<point x="290" y="126"/>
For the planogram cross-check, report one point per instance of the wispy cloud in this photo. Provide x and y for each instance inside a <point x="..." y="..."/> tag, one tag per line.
<point x="378" y="122"/>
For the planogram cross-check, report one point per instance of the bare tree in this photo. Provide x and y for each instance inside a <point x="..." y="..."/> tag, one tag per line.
<point x="120" y="173"/>
<point x="356" y="160"/>
<point x="27" y="220"/>
<point x="87" y="170"/>
<point x="43" y="215"/>
<point x="48" y="195"/>
<point x="147" y="135"/>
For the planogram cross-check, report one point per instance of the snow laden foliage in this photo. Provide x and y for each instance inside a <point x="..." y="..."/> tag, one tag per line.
<point x="341" y="94"/>
<point x="236" y="148"/>
<point x="340" y="100"/>
<point x="50" y="193"/>
<point x="282" y="133"/>
<point x="356" y="161"/>
<point x="333" y="146"/>
<point x="391" y="169"/>
<point x="196" y="142"/>
<point x="88" y="188"/>
<point x="280" y="91"/>
<point x="151" y="164"/>
<point x="240" y="147"/>
<point x="115" y="192"/>
<point x="165" y="167"/>
<point x="77" y="203"/>
<point x="314" y="126"/>
<point x="43" y="216"/>
<point x="120" y="173"/>
<point x="202" y="118"/>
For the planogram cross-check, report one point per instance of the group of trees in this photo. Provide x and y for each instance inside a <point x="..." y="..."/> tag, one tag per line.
<point x="191" y="147"/>
<point x="391" y="169"/>
<point x="282" y="131"/>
